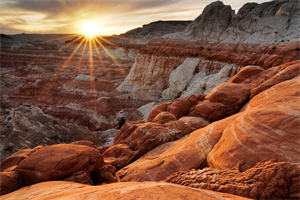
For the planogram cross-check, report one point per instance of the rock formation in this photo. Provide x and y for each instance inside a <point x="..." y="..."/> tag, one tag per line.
<point x="157" y="71"/>
<point x="269" y="22"/>
<point x="146" y="190"/>
<point x="266" y="180"/>
<point x="73" y="162"/>
<point x="226" y="144"/>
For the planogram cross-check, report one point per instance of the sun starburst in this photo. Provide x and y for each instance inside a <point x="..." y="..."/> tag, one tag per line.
<point x="90" y="29"/>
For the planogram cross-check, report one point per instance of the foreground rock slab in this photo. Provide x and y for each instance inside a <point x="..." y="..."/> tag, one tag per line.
<point x="267" y="129"/>
<point x="125" y="191"/>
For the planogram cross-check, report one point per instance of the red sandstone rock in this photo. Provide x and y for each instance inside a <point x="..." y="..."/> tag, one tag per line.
<point x="180" y="126"/>
<point x="246" y="73"/>
<point x="213" y="111"/>
<point x="186" y="153"/>
<point x="83" y="177"/>
<point x="125" y="191"/>
<point x="157" y="109"/>
<point x="266" y="180"/>
<point x="9" y="181"/>
<point x="194" y="99"/>
<point x="229" y="93"/>
<point x="149" y="135"/>
<point x="118" y="155"/>
<point x="16" y="158"/>
<point x="107" y="174"/>
<point x="267" y="129"/>
<point x="289" y="72"/>
<point x="179" y="107"/>
<point x="164" y="117"/>
<point x="142" y="139"/>
<point x="194" y="122"/>
<point x="58" y="161"/>
<point x="86" y="143"/>
<point x="126" y="130"/>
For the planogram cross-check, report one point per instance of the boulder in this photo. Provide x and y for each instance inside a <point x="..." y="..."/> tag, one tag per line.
<point x="118" y="155"/>
<point x="179" y="107"/>
<point x="266" y="180"/>
<point x="246" y="73"/>
<point x="126" y="130"/>
<point x="141" y="140"/>
<point x="164" y="117"/>
<point x="267" y="129"/>
<point x="58" y="161"/>
<point x="193" y="99"/>
<point x="229" y="93"/>
<point x="125" y="191"/>
<point x="157" y="109"/>
<point x="194" y="122"/>
<point x="149" y="135"/>
<point x="184" y="128"/>
<point x="213" y="111"/>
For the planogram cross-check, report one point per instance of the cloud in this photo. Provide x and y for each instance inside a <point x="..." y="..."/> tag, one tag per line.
<point x="65" y="16"/>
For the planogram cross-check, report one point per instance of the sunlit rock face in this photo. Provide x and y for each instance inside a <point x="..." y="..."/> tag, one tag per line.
<point x="126" y="191"/>
<point x="270" y="22"/>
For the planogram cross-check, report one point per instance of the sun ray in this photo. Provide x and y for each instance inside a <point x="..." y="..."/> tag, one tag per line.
<point x="111" y="56"/>
<point x="67" y="45"/>
<point x="53" y="80"/>
<point x="92" y="72"/>
<point x="99" y="56"/>
<point x="72" y="54"/>
<point x="82" y="54"/>
<point x="108" y="42"/>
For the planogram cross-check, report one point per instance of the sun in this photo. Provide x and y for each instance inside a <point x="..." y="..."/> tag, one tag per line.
<point x="90" y="29"/>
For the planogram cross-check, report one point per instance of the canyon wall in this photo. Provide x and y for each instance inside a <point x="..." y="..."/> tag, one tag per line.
<point x="214" y="47"/>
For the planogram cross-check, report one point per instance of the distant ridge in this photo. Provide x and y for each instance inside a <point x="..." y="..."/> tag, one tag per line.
<point x="157" y="29"/>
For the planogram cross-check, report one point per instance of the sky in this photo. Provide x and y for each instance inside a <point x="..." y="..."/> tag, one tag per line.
<point x="112" y="16"/>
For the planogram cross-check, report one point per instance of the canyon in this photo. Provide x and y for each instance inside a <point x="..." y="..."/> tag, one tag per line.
<point x="202" y="109"/>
